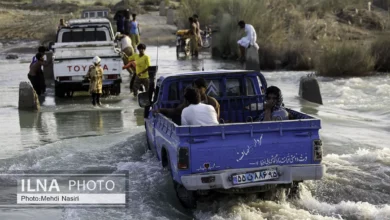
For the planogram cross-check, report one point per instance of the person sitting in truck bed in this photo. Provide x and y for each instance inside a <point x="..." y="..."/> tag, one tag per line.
<point x="175" y="113"/>
<point x="62" y="24"/>
<point x="201" y="85"/>
<point x="273" y="107"/>
<point x="197" y="113"/>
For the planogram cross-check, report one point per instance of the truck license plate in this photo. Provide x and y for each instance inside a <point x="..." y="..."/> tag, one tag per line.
<point x="255" y="176"/>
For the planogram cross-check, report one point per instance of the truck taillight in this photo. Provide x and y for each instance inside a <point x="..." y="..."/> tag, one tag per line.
<point x="183" y="158"/>
<point x="317" y="147"/>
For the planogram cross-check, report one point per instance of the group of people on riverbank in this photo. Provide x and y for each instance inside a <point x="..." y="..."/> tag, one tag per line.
<point x="127" y="26"/>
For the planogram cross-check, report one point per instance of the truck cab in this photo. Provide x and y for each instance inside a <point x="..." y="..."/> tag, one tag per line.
<point x="241" y="154"/>
<point x="74" y="49"/>
<point x="95" y="12"/>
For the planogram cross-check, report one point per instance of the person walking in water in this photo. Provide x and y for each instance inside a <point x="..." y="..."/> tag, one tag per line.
<point x="35" y="71"/>
<point x="95" y="75"/>
<point x="247" y="41"/>
<point x="142" y="62"/>
<point x="127" y="48"/>
<point x="134" y="31"/>
<point x="40" y="74"/>
<point x="200" y="41"/>
<point x="194" y="37"/>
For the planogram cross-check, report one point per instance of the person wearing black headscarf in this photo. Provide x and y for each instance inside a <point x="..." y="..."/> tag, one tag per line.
<point x="273" y="107"/>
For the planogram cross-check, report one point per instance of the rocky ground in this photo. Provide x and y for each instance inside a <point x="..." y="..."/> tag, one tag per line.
<point x="22" y="22"/>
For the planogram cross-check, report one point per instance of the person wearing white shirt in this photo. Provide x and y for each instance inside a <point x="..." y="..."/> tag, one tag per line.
<point x="127" y="49"/>
<point x="197" y="113"/>
<point x="247" y="41"/>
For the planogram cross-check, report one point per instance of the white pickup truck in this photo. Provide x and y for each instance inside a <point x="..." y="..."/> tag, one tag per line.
<point x="73" y="51"/>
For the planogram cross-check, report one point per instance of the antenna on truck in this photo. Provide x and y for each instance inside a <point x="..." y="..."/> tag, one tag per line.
<point x="157" y="52"/>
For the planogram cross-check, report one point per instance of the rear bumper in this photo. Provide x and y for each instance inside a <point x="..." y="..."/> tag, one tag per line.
<point x="287" y="174"/>
<point x="84" y="85"/>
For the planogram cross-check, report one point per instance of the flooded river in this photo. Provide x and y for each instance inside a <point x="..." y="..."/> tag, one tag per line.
<point x="70" y="134"/>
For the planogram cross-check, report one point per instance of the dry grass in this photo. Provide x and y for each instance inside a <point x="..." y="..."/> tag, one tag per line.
<point x="289" y="31"/>
<point x="381" y="51"/>
<point x="345" y="60"/>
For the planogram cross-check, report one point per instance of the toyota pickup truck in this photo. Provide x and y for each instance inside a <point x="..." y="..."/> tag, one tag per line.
<point x="73" y="51"/>
<point x="240" y="155"/>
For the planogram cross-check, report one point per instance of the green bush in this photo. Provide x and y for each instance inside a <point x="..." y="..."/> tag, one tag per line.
<point x="380" y="49"/>
<point x="151" y="2"/>
<point x="99" y="3"/>
<point x="345" y="60"/>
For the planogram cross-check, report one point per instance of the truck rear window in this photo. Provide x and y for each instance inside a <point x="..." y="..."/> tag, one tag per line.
<point x="233" y="87"/>
<point x="84" y="36"/>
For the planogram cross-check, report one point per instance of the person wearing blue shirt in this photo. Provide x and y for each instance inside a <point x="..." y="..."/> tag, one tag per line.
<point x="134" y="31"/>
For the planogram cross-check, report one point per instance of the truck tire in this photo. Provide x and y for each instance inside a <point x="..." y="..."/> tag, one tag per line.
<point x="59" y="92"/>
<point x="116" y="89"/>
<point x="187" y="198"/>
<point x="294" y="191"/>
<point x="69" y="93"/>
<point x="147" y="140"/>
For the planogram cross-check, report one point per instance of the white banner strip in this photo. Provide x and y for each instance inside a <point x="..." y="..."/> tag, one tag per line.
<point x="71" y="199"/>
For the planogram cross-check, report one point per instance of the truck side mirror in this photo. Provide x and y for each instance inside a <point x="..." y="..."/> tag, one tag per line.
<point x="50" y="47"/>
<point x="143" y="99"/>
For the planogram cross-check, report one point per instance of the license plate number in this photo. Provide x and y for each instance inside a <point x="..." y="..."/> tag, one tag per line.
<point x="255" y="176"/>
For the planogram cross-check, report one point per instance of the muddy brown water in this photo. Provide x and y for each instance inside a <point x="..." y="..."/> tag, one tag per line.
<point x="70" y="134"/>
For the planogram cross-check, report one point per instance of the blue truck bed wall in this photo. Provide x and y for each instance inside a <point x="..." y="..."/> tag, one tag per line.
<point x="239" y="142"/>
<point x="240" y="145"/>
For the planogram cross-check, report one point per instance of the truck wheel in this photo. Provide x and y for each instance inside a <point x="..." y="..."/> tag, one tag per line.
<point x="116" y="89"/>
<point x="147" y="141"/>
<point x="186" y="197"/>
<point x="59" y="92"/>
<point x="177" y="51"/>
<point x="294" y="191"/>
<point x="69" y="93"/>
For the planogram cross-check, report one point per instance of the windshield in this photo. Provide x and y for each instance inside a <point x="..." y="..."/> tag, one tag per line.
<point x="85" y="35"/>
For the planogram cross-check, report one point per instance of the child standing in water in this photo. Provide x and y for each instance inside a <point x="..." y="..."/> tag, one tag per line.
<point x="95" y="75"/>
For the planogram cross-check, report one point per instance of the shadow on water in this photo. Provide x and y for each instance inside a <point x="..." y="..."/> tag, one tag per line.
<point x="88" y="122"/>
<point x="52" y="126"/>
<point x="139" y="114"/>
<point x="309" y="107"/>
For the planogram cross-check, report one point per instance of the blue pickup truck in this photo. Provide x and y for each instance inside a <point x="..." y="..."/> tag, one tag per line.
<point x="239" y="155"/>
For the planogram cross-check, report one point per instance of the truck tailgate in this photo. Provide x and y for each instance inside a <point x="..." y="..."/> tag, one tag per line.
<point x="251" y="145"/>
<point x="79" y="67"/>
<point x="74" y="52"/>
